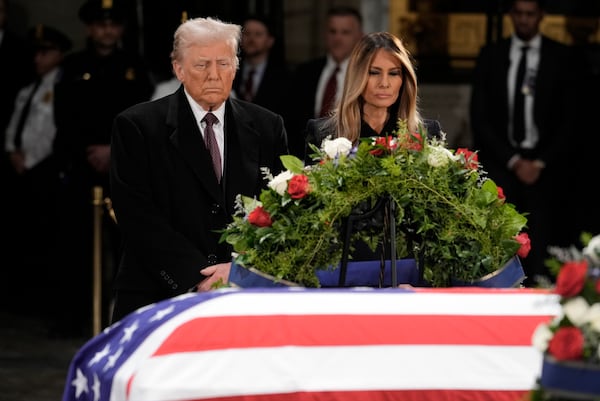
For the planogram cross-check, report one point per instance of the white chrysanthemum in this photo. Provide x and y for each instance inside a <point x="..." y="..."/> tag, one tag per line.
<point x="576" y="310"/>
<point x="593" y="317"/>
<point x="541" y="337"/>
<point x="280" y="182"/>
<point x="439" y="156"/>
<point x="592" y="250"/>
<point x="336" y="147"/>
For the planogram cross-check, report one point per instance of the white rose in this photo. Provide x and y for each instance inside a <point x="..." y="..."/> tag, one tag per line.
<point x="280" y="182"/>
<point x="439" y="156"/>
<point x="337" y="146"/>
<point x="576" y="310"/>
<point x="592" y="250"/>
<point x="593" y="317"/>
<point x="541" y="337"/>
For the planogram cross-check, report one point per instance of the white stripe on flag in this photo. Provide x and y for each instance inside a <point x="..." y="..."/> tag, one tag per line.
<point x="313" y="369"/>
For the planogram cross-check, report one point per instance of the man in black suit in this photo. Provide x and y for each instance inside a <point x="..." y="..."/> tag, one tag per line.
<point x="172" y="189"/>
<point x="342" y="31"/>
<point x="263" y="77"/>
<point x="527" y="162"/>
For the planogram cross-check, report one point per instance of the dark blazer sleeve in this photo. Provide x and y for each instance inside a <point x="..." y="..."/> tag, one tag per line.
<point x="433" y="128"/>
<point x="315" y="133"/>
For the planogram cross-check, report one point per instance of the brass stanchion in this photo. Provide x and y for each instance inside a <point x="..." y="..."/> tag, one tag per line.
<point x="98" y="203"/>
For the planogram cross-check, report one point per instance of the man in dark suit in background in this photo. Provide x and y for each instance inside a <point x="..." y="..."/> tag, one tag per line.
<point x="178" y="164"/>
<point x="263" y="77"/>
<point x="529" y="161"/>
<point x="342" y="31"/>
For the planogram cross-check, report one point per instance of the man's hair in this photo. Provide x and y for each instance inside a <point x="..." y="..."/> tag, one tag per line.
<point x="540" y="3"/>
<point x="203" y="31"/>
<point x="343" y="11"/>
<point x="266" y="21"/>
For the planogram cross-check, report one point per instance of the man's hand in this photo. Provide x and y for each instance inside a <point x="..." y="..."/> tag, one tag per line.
<point x="98" y="156"/>
<point x="17" y="160"/>
<point x="216" y="274"/>
<point x="527" y="171"/>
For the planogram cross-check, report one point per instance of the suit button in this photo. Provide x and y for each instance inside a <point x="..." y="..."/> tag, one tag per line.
<point x="215" y="208"/>
<point x="212" y="259"/>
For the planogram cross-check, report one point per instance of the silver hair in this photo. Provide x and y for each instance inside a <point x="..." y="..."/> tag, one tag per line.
<point x="206" y="31"/>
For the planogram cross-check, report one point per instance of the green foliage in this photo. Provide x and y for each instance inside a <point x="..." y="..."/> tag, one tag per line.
<point x="455" y="217"/>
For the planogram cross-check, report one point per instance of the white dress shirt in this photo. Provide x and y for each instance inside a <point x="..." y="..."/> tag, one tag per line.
<point x="218" y="127"/>
<point x="39" y="129"/>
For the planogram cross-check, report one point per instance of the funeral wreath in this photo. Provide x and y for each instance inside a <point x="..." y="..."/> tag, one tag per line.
<point x="447" y="211"/>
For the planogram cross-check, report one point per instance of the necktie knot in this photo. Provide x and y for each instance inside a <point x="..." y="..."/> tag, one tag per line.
<point x="210" y="119"/>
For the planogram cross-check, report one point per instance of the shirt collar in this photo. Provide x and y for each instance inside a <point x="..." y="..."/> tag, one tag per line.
<point x="534" y="43"/>
<point x="199" y="112"/>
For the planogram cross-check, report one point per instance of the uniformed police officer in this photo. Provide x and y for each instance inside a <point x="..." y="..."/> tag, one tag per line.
<point x="30" y="183"/>
<point x="98" y="82"/>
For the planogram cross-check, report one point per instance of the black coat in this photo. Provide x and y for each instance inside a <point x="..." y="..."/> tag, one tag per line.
<point x="489" y="105"/>
<point x="168" y="203"/>
<point x="316" y="132"/>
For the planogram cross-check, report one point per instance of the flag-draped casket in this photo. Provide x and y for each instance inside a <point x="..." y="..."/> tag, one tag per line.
<point x="319" y="344"/>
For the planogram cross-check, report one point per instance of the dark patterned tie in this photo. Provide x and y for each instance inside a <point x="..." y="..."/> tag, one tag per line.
<point x="329" y="94"/>
<point x="18" y="139"/>
<point x="519" y="100"/>
<point x="210" y="140"/>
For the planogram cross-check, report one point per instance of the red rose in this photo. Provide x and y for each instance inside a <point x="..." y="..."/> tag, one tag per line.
<point x="412" y="142"/>
<point x="523" y="239"/>
<point x="260" y="217"/>
<point x="501" y="193"/>
<point x="383" y="144"/>
<point x="567" y="344"/>
<point x="471" y="158"/>
<point x="298" y="186"/>
<point x="571" y="278"/>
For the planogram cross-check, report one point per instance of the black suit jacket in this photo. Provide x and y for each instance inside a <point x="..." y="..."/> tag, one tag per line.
<point x="305" y="80"/>
<point x="489" y="105"/>
<point x="168" y="203"/>
<point x="316" y="132"/>
<point x="273" y="89"/>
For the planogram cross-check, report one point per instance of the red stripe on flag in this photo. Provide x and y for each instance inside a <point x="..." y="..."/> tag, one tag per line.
<point x="213" y="333"/>
<point x="383" y="395"/>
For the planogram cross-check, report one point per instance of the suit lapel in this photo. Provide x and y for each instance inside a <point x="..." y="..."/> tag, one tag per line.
<point x="187" y="139"/>
<point x="242" y="156"/>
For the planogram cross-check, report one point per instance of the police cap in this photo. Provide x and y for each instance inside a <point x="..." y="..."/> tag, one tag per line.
<point x="100" y="10"/>
<point x="45" y="37"/>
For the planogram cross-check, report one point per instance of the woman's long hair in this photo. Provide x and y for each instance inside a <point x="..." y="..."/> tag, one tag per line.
<point x="346" y="119"/>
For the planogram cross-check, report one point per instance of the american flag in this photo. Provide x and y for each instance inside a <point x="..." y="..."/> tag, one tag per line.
<point x="319" y="344"/>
